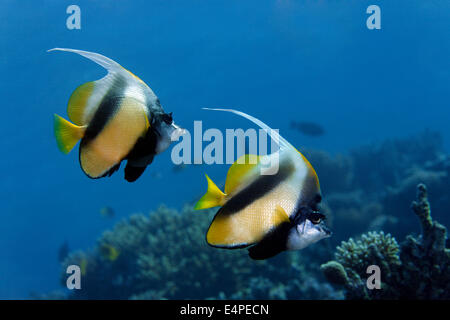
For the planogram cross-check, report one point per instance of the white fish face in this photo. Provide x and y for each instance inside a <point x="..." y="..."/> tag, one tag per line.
<point x="176" y="132"/>
<point x="306" y="233"/>
<point x="168" y="133"/>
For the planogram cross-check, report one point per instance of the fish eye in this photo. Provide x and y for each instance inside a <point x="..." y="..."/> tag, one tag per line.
<point x="167" y="118"/>
<point x="316" y="217"/>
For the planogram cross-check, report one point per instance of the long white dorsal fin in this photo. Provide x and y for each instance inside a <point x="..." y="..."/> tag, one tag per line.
<point x="105" y="62"/>
<point x="283" y="143"/>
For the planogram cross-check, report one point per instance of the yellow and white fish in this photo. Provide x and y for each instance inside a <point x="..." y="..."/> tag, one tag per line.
<point x="268" y="213"/>
<point x="117" y="118"/>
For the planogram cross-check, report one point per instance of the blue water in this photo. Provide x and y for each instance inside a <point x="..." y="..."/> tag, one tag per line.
<point x="277" y="60"/>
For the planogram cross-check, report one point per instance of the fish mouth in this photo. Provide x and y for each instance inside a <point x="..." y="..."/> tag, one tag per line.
<point x="326" y="230"/>
<point x="177" y="132"/>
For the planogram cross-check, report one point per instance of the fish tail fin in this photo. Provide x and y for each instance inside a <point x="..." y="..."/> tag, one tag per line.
<point x="212" y="198"/>
<point x="67" y="134"/>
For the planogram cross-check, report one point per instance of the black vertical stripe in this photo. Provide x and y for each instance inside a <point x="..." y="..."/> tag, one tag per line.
<point x="108" y="106"/>
<point x="258" y="189"/>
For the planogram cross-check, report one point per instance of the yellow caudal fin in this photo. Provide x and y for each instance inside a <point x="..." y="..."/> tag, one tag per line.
<point x="67" y="134"/>
<point x="212" y="198"/>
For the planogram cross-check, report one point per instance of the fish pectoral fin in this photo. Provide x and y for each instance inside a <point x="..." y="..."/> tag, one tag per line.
<point x="280" y="216"/>
<point x="67" y="134"/>
<point x="212" y="198"/>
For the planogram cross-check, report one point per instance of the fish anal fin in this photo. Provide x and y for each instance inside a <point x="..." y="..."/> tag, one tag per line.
<point x="212" y="198"/>
<point x="78" y="101"/>
<point x="67" y="134"/>
<point x="239" y="170"/>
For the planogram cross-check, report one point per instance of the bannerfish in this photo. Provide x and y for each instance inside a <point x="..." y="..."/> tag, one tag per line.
<point x="266" y="213"/>
<point x="308" y="128"/>
<point x="116" y="118"/>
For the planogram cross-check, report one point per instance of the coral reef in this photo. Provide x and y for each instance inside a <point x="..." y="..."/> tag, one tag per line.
<point x="418" y="269"/>
<point x="336" y="173"/>
<point x="373" y="248"/>
<point x="436" y="176"/>
<point x="385" y="164"/>
<point x="370" y="188"/>
<point x="164" y="256"/>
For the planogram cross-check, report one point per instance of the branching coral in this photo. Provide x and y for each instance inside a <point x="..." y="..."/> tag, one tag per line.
<point x="426" y="259"/>
<point x="419" y="269"/>
<point x="373" y="248"/>
<point x="353" y="258"/>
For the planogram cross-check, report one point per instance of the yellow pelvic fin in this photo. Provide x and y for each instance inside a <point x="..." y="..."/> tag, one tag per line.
<point x="67" y="134"/>
<point x="238" y="171"/>
<point x="78" y="102"/>
<point x="212" y="198"/>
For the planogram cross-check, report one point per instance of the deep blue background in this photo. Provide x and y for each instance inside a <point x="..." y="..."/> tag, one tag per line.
<point x="277" y="60"/>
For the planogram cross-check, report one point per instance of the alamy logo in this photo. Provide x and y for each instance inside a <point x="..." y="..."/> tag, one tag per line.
<point x="374" y="20"/>
<point x="190" y="149"/>
<point x="74" y="20"/>
<point x="74" y="280"/>
<point x="374" y="280"/>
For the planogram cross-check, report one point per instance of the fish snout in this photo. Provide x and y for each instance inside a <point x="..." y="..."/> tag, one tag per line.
<point x="177" y="132"/>
<point x="328" y="233"/>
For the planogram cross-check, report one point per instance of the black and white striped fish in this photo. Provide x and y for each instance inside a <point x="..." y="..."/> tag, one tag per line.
<point x="117" y="118"/>
<point x="268" y="213"/>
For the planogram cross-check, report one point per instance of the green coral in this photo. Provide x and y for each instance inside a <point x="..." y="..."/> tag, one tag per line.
<point x="335" y="272"/>
<point x="353" y="258"/>
<point x="165" y="256"/>
<point x="418" y="269"/>
<point x="373" y="248"/>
